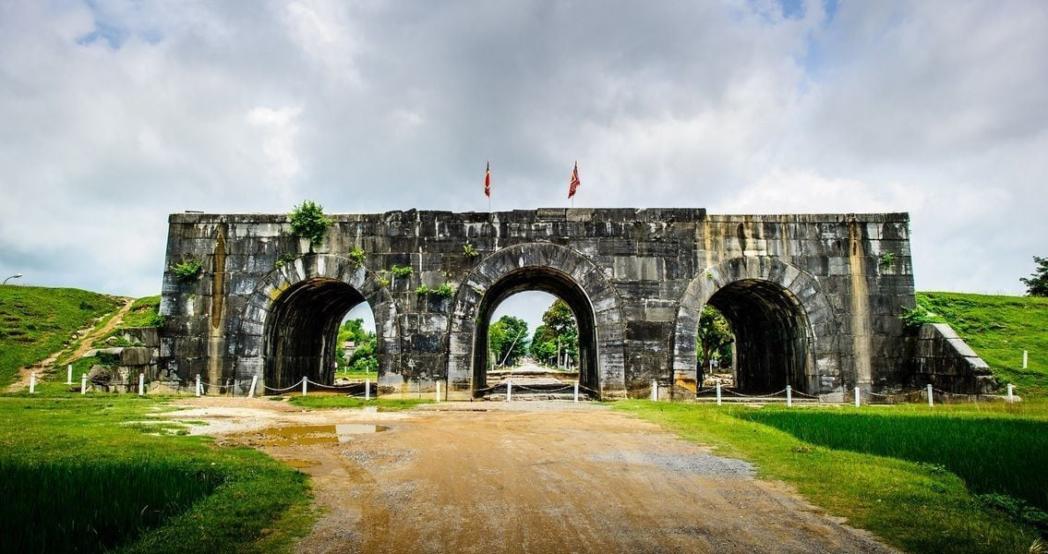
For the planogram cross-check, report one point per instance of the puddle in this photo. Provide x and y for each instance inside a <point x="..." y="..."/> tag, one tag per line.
<point x="346" y="431"/>
<point x="303" y="435"/>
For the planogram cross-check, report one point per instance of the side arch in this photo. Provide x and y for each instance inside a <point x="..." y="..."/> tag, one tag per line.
<point x="821" y="363"/>
<point x="514" y="264"/>
<point x="256" y="316"/>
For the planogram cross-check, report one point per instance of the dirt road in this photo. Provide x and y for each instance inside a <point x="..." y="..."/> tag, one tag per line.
<point x="536" y="477"/>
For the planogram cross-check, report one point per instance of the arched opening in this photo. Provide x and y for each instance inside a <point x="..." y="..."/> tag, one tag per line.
<point x="302" y="331"/>
<point x="557" y="284"/>
<point x="772" y="336"/>
<point x="356" y="353"/>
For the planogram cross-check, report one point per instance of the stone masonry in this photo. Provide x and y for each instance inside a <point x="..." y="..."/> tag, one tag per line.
<point x="813" y="299"/>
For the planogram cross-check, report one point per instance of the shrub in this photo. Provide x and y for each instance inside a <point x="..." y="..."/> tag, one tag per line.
<point x="886" y="261"/>
<point x="357" y="256"/>
<point x="422" y="290"/>
<point x="309" y="222"/>
<point x="469" y="250"/>
<point x="187" y="271"/>
<point x="382" y="279"/>
<point x="444" y="291"/>
<point x="284" y="259"/>
<point x="401" y="271"/>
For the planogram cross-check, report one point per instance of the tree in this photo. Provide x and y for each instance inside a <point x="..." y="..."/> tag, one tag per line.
<point x="363" y="357"/>
<point x="1037" y="282"/>
<point x="558" y="334"/>
<point x="714" y="339"/>
<point x="309" y="222"/>
<point x="508" y="340"/>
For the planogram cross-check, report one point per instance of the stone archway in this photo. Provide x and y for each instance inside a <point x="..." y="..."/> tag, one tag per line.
<point x="290" y="316"/>
<point x="539" y="266"/>
<point x="780" y="311"/>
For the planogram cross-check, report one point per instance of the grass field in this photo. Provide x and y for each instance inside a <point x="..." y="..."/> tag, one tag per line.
<point x="323" y="401"/>
<point x="356" y="375"/>
<point x="144" y="312"/>
<point x="913" y="503"/>
<point x="999" y="328"/>
<point x="36" y="322"/>
<point x="94" y="474"/>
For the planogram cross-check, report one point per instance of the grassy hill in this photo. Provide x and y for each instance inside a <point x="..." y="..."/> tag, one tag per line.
<point x="37" y="321"/>
<point x="999" y="328"/>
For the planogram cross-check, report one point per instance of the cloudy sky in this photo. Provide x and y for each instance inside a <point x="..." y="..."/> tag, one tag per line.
<point x="114" y="114"/>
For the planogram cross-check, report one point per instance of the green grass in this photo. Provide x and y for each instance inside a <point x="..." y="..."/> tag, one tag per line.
<point x="999" y="328"/>
<point x="143" y="313"/>
<point x="36" y="322"/>
<point x="356" y="375"/>
<point x="991" y="453"/>
<point x="324" y="401"/>
<point x="912" y="504"/>
<point x="96" y="473"/>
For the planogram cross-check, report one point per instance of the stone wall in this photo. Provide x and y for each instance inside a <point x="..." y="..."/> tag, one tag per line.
<point x="944" y="360"/>
<point x="645" y="273"/>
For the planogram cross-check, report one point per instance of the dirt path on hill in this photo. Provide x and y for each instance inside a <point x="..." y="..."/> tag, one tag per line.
<point x="92" y="334"/>
<point x="522" y="477"/>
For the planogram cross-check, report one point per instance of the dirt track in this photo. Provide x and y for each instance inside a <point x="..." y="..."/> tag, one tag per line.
<point x="532" y="478"/>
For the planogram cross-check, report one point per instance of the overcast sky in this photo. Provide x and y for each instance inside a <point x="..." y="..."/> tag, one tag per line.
<point x="114" y="114"/>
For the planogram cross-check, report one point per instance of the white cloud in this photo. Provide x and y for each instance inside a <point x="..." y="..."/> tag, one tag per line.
<point x="118" y="113"/>
<point x="279" y="128"/>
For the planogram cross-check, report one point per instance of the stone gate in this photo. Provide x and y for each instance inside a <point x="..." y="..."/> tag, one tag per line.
<point x="814" y="300"/>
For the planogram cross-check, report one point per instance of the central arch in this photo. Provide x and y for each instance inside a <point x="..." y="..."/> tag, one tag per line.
<point x="551" y="268"/>
<point x="547" y="280"/>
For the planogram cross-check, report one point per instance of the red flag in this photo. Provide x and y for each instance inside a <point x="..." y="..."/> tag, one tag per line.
<point x="575" y="183"/>
<point x="487" y="181"/>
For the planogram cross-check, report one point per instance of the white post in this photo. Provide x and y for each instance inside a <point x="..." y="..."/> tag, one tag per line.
<point x="718" y="394"/>
<point x="1026" y="359"/>
<point x="576" y="392"/>
<point x="509" y="391"/>
<point x="1011" y="393"/>
<point x="654" y="390"/>
<point x="304" y="385"/>
<point x="789" y="396"/>
<point x="32" y="383"/>
<point x="931" y="399"/>
<point x="69" y="374"/>
<point x="367" y="388"/>
<point x="141" y="384"/>
<point x="438" y="391"/>
<point x="83" y="383"/>
<point x="254" y="383"/>
<point x="858" y="399"/>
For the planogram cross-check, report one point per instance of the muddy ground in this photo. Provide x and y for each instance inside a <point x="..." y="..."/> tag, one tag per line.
<point x="522" y="477"/>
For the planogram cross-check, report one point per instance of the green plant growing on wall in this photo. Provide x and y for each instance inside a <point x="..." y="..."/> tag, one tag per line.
<point x="422" y="290"/>
<point x="284" y="259"/>
<point x="444" y="291"/>
<point x="357" y="256"/>
<point x="886" y="261"/>
<point x="382" y="279"/>
<point x="400" y="271"/>
<point x="469" y="250"/>
<point x="918" y="316"/>
<point x="309" y="222"/>
<point x="187" y="271"/>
